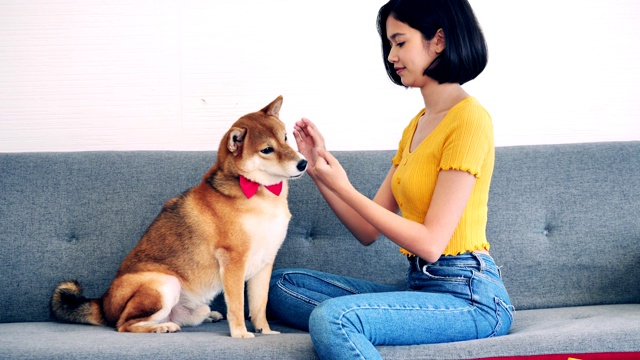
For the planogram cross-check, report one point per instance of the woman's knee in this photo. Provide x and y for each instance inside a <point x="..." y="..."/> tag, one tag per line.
<point x="337" y="329"/>
<point x="333" y="314"/>
<point x="281" y="277"/>
<point x="319" y="318"/>
<point x="278" y="274"/>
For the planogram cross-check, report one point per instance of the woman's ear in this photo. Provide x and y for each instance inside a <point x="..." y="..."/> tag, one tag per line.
<point x="439" y="42"/>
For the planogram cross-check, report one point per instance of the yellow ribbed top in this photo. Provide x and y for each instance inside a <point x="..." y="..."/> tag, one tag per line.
<point x="462" y="141"/>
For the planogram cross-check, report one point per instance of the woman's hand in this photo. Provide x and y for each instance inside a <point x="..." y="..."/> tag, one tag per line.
<point x="330" y="173"/>
<point x="323" y="167"/>
<point x="308" y="139"/>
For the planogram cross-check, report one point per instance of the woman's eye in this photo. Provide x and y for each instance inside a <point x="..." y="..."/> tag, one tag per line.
<point x="267" y="150"/>
<point x="400" y="44"/>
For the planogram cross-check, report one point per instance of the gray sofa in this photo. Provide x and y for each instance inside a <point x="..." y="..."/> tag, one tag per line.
<point x="564" y="222"/>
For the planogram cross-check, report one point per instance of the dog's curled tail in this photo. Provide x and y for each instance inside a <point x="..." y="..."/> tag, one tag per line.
<point x="69" y="305"/>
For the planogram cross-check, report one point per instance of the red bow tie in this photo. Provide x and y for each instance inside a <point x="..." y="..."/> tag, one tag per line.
<point x="250" y="188"/>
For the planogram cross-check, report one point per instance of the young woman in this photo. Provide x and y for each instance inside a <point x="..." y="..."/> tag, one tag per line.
<point x="439" y="181"/>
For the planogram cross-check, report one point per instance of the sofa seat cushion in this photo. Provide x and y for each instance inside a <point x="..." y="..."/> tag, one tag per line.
<point x="535" y="332"/>
<point x="569" y="330"/>
<point x="50" y="340"/>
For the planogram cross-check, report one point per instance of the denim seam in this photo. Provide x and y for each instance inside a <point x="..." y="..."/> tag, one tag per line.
<point x="336" y="284"/>
<point x="458" y="309"/>
<point x="458" y="279"/>
<point x="488" y="278"/>
<point x="344" y="313"/>
<point x="304" y="298"/>
<point x="297" y="295"/>
<point x="501" y="307"/>
<point x="353" y="345"/>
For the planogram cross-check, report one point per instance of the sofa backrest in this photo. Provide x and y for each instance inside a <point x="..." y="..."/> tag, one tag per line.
<point x="563" y="221"/>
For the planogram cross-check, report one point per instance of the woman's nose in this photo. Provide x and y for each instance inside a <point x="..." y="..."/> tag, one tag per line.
<point x="392" y="58"/>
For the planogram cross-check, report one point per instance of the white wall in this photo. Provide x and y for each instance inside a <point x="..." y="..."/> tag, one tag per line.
<point x="174" y="74"/>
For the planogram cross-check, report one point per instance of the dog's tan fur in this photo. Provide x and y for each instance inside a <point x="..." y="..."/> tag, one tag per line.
<point x="212" y="238"/>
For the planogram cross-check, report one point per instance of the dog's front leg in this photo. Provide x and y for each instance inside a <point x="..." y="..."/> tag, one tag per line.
<point x="258" y="292"/>
<point x="232" y="269"/>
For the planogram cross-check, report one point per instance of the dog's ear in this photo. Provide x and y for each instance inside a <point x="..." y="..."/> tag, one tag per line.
<point x="273" y="109"/>
<point x="235" y="139"/>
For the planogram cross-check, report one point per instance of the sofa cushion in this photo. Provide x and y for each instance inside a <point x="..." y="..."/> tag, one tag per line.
<point x="544" y="331"/>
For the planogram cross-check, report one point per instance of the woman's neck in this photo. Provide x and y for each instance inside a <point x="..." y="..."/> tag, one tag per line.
<point x="441" y="97"/>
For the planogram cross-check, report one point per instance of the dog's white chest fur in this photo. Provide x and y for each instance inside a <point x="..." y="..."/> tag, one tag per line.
<point x="266" y="231"/>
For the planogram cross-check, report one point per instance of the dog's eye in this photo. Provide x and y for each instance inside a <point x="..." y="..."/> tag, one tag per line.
<point x="267" y="150"/>
<point x="285" y="138"/>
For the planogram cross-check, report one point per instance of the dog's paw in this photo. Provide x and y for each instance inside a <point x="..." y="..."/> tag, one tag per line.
<point x="214" y="316"/>
<point x="268" y="332"/>
<point x="168" y="327"/>
<point x="242" y="334"/>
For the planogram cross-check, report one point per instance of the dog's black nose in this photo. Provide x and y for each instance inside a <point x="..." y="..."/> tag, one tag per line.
<point x="302" y="165"/>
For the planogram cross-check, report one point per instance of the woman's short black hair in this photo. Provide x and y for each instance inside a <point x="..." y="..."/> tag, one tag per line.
<point x="465" y="53"/>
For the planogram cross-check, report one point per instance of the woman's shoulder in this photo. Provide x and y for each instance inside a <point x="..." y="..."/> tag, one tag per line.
<point x="469" y="118"/>
<point x="470" y="107"/>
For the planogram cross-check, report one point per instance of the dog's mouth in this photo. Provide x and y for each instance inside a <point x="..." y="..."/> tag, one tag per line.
<point x="296" y="176"/>
<point x="274" y="178"/>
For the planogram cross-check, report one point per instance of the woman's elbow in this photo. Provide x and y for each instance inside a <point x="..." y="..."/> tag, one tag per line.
<point x="367" y="238"/>
<point x="430" y="257"/>
<point x="429" y="254"/>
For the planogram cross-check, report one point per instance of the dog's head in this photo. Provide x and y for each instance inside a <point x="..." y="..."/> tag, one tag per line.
<point x="256" y="147"/>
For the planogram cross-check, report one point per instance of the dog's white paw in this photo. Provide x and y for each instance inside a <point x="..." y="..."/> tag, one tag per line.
<point x="268" y="332"/>
<point x="242" y="334"/>
<point x="168" y="327"/>
<point x="214" y="316"/>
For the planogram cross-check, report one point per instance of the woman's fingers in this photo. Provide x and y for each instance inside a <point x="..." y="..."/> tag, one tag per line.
<point x="312" y="131"/>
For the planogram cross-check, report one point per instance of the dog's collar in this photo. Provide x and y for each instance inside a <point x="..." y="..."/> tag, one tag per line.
<point x="250" y="188"/>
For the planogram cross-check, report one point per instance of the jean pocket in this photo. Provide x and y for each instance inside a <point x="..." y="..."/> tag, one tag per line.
<point x="442" y="280"/>
<point x="444" y="273"/>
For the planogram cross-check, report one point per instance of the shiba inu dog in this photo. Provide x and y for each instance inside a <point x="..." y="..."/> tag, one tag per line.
<point x="215" y="236"/>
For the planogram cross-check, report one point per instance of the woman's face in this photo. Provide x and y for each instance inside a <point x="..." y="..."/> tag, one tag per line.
<point x="410" y="53"/>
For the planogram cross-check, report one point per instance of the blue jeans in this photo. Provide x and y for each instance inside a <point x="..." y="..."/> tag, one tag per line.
<point x="456" y="298"/>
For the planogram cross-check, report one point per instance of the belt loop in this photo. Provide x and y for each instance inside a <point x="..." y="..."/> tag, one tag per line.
<point x="421" y="265"/>
<point x="483" y="266"/>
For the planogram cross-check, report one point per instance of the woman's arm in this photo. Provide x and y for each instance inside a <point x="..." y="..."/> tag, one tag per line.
<point x="359" y="226"/>
<point x="309" y="141"/>
<point x="427" y="240"/>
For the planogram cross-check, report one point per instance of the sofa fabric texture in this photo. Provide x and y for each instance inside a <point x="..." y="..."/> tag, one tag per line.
<point x="564" y="225"/>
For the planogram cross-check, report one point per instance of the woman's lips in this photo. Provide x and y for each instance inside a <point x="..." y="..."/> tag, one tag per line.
<point x="399" y="70"/>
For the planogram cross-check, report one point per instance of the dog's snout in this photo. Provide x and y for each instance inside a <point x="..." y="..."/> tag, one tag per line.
<point x="302" y="165"/>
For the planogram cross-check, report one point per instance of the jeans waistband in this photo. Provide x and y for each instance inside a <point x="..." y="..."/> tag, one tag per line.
<point x="472" y="259"/>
